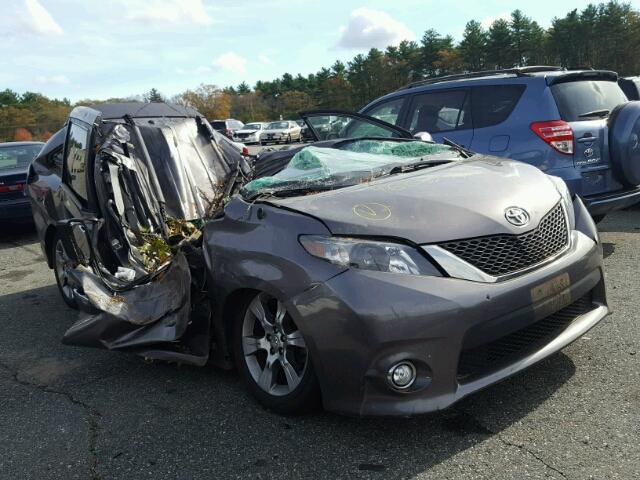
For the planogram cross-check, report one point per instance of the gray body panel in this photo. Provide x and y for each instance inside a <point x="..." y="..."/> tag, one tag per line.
<point x="463" y="199"/>
<point x="358" y="323"/>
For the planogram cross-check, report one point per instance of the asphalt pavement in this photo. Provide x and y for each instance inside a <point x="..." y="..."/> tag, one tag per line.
<point x="68" y="412"/>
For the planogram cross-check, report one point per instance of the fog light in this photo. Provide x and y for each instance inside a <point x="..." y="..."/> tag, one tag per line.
<point x="402" y="375"/>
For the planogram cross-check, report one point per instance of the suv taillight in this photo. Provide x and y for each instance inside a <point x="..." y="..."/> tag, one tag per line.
<point x="556" y="133"/>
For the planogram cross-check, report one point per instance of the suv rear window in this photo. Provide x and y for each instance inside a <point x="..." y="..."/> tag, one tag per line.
<point x="493" y="104"/>
<point x="583" y="96"/>
<point x="219" y="125"/>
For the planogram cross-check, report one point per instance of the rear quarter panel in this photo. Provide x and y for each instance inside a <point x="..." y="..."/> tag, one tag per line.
<point x="44" y="187"/>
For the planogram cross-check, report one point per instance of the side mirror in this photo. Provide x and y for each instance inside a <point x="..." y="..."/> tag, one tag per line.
<point x="424" y="137"/>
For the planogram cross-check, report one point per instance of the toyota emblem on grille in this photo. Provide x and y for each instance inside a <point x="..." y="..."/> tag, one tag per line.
<point x="516" y="216"/>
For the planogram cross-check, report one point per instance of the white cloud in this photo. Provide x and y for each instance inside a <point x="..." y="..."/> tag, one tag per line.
<point x="231" y="62"/>
<point x="263" y="59"/>
<point x="369" y="28"/>
<point x="488" y="21"/>
<point x="37" y="19"/>
<point x="201" y="70"/>
<point x="52" y="80"/>
<point x="171" y="12"/>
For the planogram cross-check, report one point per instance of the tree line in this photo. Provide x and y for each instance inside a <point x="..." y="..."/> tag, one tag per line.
<point x="605" y="35"/>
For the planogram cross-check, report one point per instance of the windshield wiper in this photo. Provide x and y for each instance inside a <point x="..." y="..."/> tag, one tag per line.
<point x="410" y="167"/>
<point x="459" y="148"/>
<point x="596" y="113"/>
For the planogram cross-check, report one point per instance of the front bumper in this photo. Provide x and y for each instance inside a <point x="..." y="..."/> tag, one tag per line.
<point x="17" y="209"/>
<point x="602" y="204"/>
<point x="272" y="138"/>
<point x="253" y="138"/>
<point x="360" y="323"/>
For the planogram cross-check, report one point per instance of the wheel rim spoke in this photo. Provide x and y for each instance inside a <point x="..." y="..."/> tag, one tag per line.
<point x="251" y="345"/>
<point x="295" y="339"/>
<point x="266" y="377"/>
<point x="280" y="314"/>
<point x="257" y="308"/>
<point x="290" y="374"/>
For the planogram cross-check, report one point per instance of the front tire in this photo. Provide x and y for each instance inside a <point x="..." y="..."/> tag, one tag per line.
<point x="272" y="356"/>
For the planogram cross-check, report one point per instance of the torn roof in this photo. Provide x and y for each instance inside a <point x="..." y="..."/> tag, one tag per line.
<point x="111" y="111"/>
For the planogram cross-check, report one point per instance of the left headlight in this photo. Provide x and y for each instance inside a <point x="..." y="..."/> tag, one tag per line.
<point x="369" y="255"/>
<point x="563" y="190"/>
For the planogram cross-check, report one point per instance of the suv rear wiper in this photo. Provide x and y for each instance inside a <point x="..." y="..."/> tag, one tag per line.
<point x="596" y="113"/>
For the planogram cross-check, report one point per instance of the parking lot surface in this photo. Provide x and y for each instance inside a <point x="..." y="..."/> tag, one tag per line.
<point x="69" y="412"/>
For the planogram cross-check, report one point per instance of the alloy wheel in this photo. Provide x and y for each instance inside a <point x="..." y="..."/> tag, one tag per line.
<point x="273" y="348"/>
<point x="63" y="265"/>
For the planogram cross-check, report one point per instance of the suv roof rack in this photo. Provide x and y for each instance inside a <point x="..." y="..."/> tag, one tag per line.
<point x="518" y="71"/>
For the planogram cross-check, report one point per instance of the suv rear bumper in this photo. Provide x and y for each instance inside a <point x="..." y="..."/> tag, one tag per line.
<point x="602" y="204"/>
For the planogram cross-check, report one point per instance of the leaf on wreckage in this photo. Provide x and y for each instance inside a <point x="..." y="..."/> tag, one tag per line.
<point x="182" y="230"/>
<point x="155" y="251"/>
<point x="216" y="203"/>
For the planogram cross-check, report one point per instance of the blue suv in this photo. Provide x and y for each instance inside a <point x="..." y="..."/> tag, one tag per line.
<point x="575" y="124"/>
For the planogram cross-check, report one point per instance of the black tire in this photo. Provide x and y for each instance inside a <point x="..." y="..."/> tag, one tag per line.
<point x="624" y="142"/>
<point x="303" y="399"/>
<point x="61" y="282"/>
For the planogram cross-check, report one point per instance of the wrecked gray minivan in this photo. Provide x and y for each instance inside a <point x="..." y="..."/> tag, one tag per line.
<point x="381" y="274"/>
<point x="119" y="198"/>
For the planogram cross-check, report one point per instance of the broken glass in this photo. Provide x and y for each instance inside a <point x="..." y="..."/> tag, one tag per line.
<point x="349" y="164"/>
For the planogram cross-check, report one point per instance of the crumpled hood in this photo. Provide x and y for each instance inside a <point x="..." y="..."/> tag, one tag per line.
<point x="251" y="130"/>
<point x="458" y="200"/>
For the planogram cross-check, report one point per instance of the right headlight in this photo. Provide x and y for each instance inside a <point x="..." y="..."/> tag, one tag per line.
<point x="369" y="255"/>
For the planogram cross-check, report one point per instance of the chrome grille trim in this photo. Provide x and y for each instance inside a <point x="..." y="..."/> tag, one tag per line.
<point x="498" y="257"/>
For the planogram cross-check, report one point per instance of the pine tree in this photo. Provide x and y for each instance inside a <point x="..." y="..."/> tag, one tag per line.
<point x="473" y="47"/>
<point x="154" y="96"/>
<point x="499" y="52"/>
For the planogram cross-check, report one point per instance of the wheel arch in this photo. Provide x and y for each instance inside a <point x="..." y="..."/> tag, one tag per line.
<point x="49" y="237"/>
<point x="229" y="309"/>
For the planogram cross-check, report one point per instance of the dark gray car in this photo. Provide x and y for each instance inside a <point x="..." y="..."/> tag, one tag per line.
<point x="380" y="274"/>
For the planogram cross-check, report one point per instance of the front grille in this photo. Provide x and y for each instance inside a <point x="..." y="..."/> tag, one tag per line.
<point x="484" y="359"/>
<point x="506" y="253"/>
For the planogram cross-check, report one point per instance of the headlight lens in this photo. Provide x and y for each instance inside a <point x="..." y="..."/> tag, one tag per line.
<point x="369" y="255"/>
<point x="563" y="190"/>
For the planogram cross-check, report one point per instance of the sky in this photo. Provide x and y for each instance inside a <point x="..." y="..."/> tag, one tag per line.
<point x="117" y="48"/>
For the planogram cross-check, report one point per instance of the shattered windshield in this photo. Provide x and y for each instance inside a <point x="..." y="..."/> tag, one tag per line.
<point x="277" y="125"/>
<point x="316" y="169"/>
